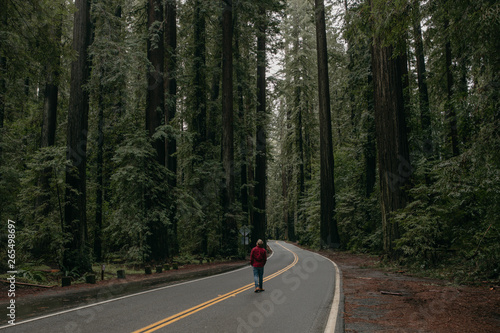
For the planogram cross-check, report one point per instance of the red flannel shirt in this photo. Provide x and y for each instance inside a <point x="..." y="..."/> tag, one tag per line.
<point x="258" y="257"/>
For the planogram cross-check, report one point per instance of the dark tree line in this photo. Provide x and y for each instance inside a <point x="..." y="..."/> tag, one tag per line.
<point x="409" y="95"/>
<point x="146" y="129"/>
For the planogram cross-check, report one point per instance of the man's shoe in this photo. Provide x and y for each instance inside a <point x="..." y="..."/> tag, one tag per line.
<point x="260" y="289"/>
<point x="257" y="290"/>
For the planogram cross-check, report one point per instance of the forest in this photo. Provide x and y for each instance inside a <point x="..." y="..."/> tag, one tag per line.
<point x="145" y="129"/>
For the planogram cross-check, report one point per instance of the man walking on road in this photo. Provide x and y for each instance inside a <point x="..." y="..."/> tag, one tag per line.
<point x="258" y="258"/>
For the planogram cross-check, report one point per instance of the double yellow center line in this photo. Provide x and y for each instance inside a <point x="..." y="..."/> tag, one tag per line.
<point x="172" y="319"/>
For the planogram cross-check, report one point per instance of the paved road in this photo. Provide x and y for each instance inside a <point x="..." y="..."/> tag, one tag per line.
<point x="300" y="290"/>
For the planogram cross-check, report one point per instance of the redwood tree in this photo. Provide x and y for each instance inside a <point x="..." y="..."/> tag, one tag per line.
<point x="423" y="94"/>
<point x="230" y="227"/>
<point x="50" y="101"/>
<point x="155" y="102"/>
<point x="328" y="227"/>
<point x="76" y="255"/>
<point x="157" y="237"/>
<point x="171" y="106"/>
<point x="259" y="221"/>
<point x="450" y="112"/>
<point x="392" y="143"/>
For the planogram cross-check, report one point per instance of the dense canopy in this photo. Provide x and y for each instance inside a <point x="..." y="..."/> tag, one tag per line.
<point x="144" y="129"/>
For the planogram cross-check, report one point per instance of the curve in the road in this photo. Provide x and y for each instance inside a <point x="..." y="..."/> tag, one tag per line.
<point x="172" y="319"/>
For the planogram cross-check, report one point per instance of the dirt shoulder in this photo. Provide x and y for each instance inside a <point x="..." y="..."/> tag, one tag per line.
<point x="382" y="301"/>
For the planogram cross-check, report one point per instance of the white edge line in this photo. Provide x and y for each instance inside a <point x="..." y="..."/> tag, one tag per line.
<point x="334" y="320"/>
<point x="122" y="297"/>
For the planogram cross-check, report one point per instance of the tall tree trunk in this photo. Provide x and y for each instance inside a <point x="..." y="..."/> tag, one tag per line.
<point x="155" y="102"/>
<point x="466" y="127"/>
<point x="450" y="113"/>
<point x="171" y="109"/>
<point x="76" y="254"/>
<point x="103" y="94"/>
<point x="3" y="72"/>
<point x="99" y="171"/>
<point x="308" y="145"/>
<point x="214" y="113"/>
<point x="260" y="223"/>
<point x="49" y="121"/>
<point x="3" y="90"/>
<point x="423" y="94"/>
<point x="299" y="143"/>
<point x="299" y="180"/>
<point x="242" y="120"/>
<point x="286" y="178"/>
<point x="392" y="143"/>
<point x="230" y="227"/>
<point x="328" y="225"/>
<point x="199" y="116"/>
<point x="369" y="147"/>
<point x="157" y="240"/>
<point x="250" y="146"/>
<point x="350" y="65"/>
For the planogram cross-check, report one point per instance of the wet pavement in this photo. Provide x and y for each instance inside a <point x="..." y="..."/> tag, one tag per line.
<point x="59" y="299"/>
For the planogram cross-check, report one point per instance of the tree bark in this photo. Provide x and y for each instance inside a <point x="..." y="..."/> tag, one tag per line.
<point x="301" y="187"/>
<point x="214" y="114"/>
<point x="49" y="120"/>
<point x="3" y="72"/>
<point x="157" y="240"/>
<point x="242" y="120"/>
<point x="76" y="254"/>
<point x="230" y="227"/>
<point x="370" y="146"/>
<point x="50" y="112"/>
<point x="286" y="178"/>
<point x="51" y="92"/>
<point x="99" y="172"/>
<point x="3" y="90"/>
<point x="200" y="116"/>
<point x="450" y="113"/>
<point x="392" y="143"/>
<point x="171" y="109"/>
<point x="155" y="100"/>
<point x="423" y="94"/>
<point x="260" y="223"/>
<point x="328" y="225"/>
<point x="299" y="142"/>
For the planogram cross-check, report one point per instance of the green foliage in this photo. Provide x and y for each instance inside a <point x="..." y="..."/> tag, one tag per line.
<point x="308" y="230"/>
<point x="10" y="174"/>
<point x="454" y="220"/>
<point x="40" y="207"/>
<point x="358" y="219"/>
<point x="390" y="22"/>
<point x="136" y="172"/>
<point x="199" y="209"/>
<point x="451" y="221"/>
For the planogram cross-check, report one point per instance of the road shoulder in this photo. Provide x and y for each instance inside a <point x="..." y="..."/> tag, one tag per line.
<point x="385" y="301"/>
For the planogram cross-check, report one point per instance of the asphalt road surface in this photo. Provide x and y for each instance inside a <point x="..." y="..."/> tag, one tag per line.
<point x="300" y="296"/>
